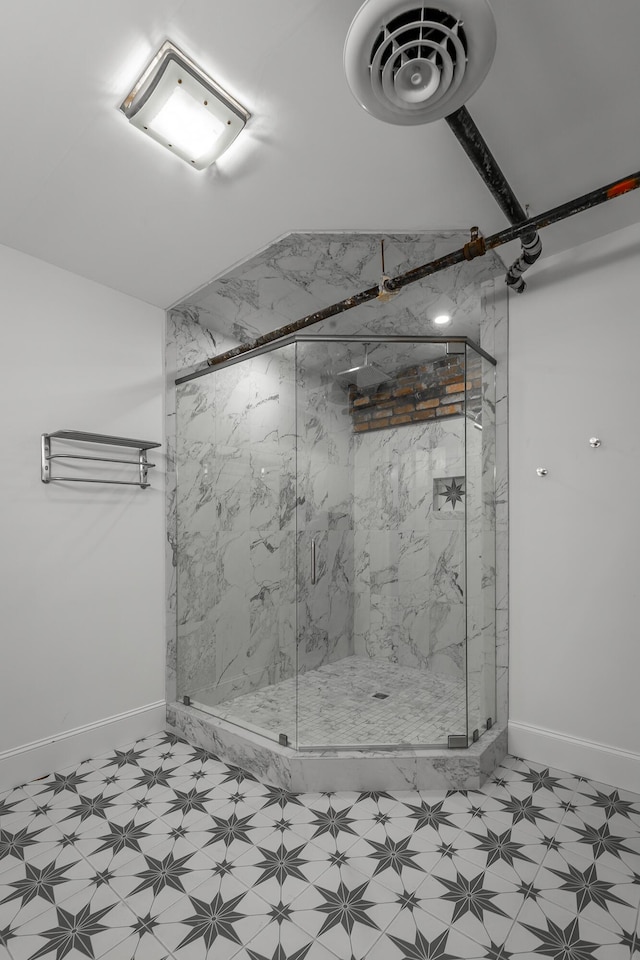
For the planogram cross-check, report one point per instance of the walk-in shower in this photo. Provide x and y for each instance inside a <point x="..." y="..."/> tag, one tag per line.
<point x="336" y="542"/>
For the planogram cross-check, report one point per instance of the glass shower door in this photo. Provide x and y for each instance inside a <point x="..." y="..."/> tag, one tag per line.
<point x="236" y="497"/>
<point x="480" y="543"/>
<point x="380" y="544"/>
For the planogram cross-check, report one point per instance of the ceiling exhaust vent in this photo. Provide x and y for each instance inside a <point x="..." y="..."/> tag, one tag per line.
<point x="407" y="63"/>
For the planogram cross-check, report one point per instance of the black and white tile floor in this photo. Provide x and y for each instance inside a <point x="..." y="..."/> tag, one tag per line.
<point x="162" y="851"/>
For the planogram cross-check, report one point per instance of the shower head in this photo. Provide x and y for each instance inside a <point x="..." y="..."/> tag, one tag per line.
<point x="362" y="376"/>
<point x="366" y="375"/>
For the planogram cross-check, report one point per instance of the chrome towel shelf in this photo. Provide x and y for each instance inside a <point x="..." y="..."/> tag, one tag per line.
<point x="81" y="436"/>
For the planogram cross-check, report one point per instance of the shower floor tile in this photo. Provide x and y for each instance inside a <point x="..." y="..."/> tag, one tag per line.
<point x="338" y="705"/>
<point x="548" y="872"/>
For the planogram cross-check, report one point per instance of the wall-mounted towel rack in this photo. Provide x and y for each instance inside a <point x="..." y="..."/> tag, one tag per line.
<point x="81" y="436"/>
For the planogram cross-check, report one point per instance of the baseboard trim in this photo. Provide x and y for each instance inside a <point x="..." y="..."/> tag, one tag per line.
<point x="585" y="758"/>
<point x="32" y="760"/>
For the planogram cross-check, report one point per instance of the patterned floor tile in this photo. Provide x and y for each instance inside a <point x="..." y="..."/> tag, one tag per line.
<point x="333" y="826"/>
<point x="480" y="905"/>
<point x="344" y="911"/>
<point x="420" y="936"/>
<point x="284" y="942"/>
<point x="87" y="924"/>
<point x="282" y="867"/>
<point x="30" y="888"/>
<point x="511" y="852"/>
<point x="139" y="946"/>
<point x="150" y="883"/>
<point x="159" y="850"/>
<point x="28" y="838"/>
<point x="597" y="894"/>
<point x="399" y="861"/>
<point x="544" y="929"/>
<point x="228" y="836"/>
<point x="214" y="920"/>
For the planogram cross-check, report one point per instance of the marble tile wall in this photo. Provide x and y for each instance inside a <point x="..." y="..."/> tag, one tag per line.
<point x="410" y="574"/>
<point x="236" y="528"/>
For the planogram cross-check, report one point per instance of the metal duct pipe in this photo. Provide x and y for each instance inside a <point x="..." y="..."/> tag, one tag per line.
<point x="476" y="148"/>
<point x="476" y="247"/>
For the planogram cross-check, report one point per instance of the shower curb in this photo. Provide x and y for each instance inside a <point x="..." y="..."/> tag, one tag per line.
<point x="340" y="769"/>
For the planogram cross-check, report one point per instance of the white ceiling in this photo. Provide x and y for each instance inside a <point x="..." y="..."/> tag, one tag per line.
<point x="81" y="188"/>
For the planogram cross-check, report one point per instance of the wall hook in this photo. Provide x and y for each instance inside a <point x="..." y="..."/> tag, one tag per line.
<point x="542" y="471"/>
<point x="595" y="442"/>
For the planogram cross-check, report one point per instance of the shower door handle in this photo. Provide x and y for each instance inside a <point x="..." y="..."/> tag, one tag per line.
<point x="313" y="561"/>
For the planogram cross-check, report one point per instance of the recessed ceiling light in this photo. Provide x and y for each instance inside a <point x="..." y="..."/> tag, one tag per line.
<point x="182" y="108"/>
<point x="443" y="318"/>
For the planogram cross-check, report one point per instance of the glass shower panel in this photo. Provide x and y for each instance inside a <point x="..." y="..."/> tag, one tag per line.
<point x="381" y="641"/>
<point x="236" y="493"/>
<point x="480" y="542"/>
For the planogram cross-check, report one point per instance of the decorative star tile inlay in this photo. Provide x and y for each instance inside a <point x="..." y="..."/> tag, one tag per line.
<point x="14" y="844"/>
<point x="101" y="877"/>
<point x="62" y="782"/>
<point x="602" y="841"/>
<point x="276" y="797"/>
<point x="345" y="907"/>
<point x="154" y="778"/>
<point x="332" y="822"/>
<point x="124" y="837"/>
<point x="448" y="490"/>
<point x="562" y="942"/>
<point x="185" y="802"/>
<point x="213" y="919"/>
<point x="89" y="807"/>
<point x="500" y="846"/>
<point x="121" y="758"/>
<point x="429" y="815"/>
<point x="163" y="873"/>
<point x="524" y="810"/>
<point x="470" y="896"/>
<point x="145" y="924"/>
<point x="393" y="855"/>
<point x="587" y="887"/>
<point x="408" y="901"/>
<point x="233" y="828"/>
<point x="423" y="949"/>
<point x="73" y="932"/>
<point x="541" y="780"/>
<point x="281" y="863"/>
<point x="38" y="882"/>
<point x="6" y="807"/>
<point x="611" y="803"/>
<point x="280" y="913"/>
<point x="237" y="774"/>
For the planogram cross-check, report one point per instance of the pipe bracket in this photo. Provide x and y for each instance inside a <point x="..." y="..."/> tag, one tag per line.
<point x="476" y="246"/>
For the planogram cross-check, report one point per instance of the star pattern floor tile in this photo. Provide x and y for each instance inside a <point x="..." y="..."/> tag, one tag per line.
<point x="159" y="850"/>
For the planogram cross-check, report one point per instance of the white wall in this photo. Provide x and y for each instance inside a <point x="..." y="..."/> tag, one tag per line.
<point x="575" y="535"/>
<point x="81" y="566"/>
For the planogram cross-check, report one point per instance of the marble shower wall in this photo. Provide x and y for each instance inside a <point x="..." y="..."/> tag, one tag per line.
<point x="235" y="461"/>
<point x="409" y="585"/>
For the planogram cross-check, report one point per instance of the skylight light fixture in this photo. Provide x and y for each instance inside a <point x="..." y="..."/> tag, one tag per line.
<point x="183" y="109"/>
